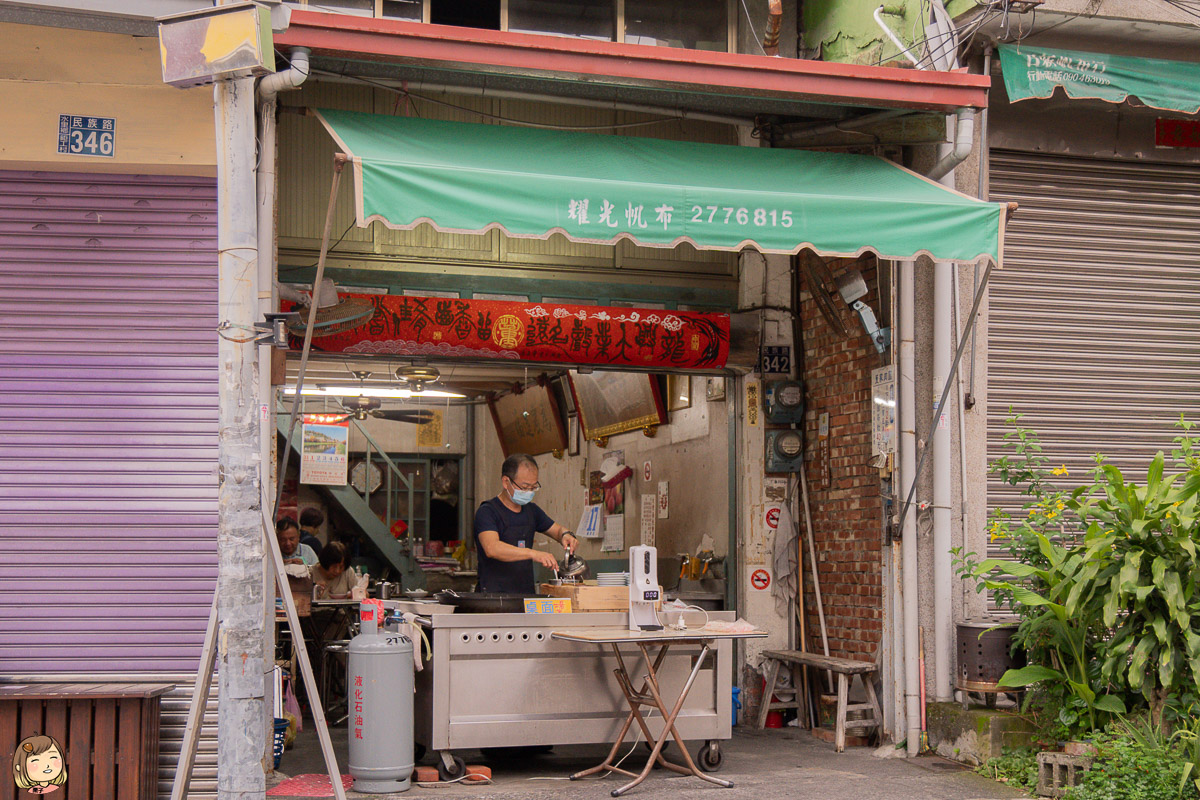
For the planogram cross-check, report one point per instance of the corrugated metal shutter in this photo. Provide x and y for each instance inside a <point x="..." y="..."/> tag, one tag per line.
<point x="108" y="425"/>
<point x="1094" y="321"/>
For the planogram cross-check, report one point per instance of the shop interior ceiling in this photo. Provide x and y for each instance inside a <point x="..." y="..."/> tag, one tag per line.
<point x="473" y="380"/>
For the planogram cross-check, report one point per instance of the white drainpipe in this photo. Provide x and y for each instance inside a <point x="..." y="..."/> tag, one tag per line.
<point x="268" y="89"/>
<point x="264" y="179"/>
<point x="906" y="400"/>
<point x="944" y="276"/>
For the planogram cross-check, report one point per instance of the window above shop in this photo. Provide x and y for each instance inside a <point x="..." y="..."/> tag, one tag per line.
<point x="698" y="25"/>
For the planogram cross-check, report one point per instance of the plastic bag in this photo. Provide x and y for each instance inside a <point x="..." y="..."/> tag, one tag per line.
<point x="292" y="706"/>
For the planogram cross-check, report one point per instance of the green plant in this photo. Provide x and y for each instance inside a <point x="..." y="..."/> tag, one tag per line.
<point x="1143" y="576"/>
<point x="1060" y="623"/>
<point x="1105" y="582"/>
<point x="1016" y="766"/>
<point x="1133" y="767"/>
<point x="1188" y="736"/>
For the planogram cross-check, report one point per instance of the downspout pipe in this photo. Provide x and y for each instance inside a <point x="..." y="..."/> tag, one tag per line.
<point x="945" y="274"/>
<point x="770" y="41"/>
<point x="955" y="154"/>
<point x="906" y="399"/>
<point x="268" y="297"/>
<point x="268" y="300"/>
<point x="268" y="90"/>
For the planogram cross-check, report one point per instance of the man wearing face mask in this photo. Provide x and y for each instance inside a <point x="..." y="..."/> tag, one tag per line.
<point x="504" y="530"/>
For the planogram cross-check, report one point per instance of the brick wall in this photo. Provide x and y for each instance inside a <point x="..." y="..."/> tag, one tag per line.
<point x="844" y="495"/>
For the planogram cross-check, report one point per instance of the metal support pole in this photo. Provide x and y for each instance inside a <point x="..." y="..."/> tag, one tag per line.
<point x="339" y="161"/>
<point x="240" y="772"/>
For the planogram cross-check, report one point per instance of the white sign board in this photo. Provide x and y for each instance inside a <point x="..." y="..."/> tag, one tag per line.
<point x="323" y="454"/>
<point x="591" y="522"/>
<point x="649" y="511"/>
<point x="664" y="506"/>
<point x="883" y="411"/>
<point x="614" y="534"/>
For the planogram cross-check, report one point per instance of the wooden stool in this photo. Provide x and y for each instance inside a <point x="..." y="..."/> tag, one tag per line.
<point x="845" y="669"/>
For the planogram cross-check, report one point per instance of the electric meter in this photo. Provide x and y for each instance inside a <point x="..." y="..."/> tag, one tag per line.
<point x="784" y="401"/>
<point x="785" y="451"/>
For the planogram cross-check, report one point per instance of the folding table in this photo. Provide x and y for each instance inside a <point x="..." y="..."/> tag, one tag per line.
<point x="650" y="693"/>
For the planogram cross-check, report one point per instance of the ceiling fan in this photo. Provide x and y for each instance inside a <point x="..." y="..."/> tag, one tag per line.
<point x="361" y="407"/>
<point x="417" y="379"/>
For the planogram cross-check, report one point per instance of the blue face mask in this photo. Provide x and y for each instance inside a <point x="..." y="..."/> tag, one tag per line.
<point x="522" y="496"/>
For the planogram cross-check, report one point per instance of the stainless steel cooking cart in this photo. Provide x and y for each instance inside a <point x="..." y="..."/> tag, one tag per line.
<point x="499" y="680"/>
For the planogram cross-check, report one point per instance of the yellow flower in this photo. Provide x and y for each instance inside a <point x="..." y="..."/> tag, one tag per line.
<point x="1051" y="514"/>
<point x="1061" y="470"/>
<point x="1061" y="505"/>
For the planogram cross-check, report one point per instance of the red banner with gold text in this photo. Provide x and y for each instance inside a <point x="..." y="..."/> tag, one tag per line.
<point x="449" y="328"/>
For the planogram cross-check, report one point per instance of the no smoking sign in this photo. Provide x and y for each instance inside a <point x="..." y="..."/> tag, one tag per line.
<point x="760" y="579"/>
<point x="772" y="517"/>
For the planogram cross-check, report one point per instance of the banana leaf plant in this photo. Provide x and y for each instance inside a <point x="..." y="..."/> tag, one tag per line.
<point x="1065" y="627"/>
<point x="1146" y="581"/>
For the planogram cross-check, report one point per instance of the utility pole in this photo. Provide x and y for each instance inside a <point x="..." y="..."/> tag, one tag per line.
<point x="240" y="588"/>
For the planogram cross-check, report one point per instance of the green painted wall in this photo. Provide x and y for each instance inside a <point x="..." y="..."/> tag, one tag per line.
<point x="845" y="30"/>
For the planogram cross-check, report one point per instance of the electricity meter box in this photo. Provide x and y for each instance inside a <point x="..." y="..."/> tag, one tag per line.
<point x="783" y="401"/>
<point x="785" y="451"/>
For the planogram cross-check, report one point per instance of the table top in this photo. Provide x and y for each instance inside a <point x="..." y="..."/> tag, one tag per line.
<point x="624" y="635"/>
<point x="94" y="691"/>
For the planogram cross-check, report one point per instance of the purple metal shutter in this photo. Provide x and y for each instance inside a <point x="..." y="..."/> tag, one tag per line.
<point x="108" y="421"/>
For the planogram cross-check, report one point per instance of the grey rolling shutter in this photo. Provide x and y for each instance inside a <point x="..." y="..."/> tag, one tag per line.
<point x="108" y="432"/>
<point x="1094" y="321"/>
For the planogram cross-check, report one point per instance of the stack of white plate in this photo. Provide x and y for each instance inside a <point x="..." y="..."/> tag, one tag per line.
<point x="612" y="579"/>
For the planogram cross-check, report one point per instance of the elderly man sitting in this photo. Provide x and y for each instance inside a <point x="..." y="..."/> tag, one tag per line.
<point x="287" y="531"/>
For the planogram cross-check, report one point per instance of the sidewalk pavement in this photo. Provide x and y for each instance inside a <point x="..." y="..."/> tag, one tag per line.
<point x="763" y="765"/>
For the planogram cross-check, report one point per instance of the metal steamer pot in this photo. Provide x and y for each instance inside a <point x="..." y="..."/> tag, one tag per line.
<point x="483" y="602"/>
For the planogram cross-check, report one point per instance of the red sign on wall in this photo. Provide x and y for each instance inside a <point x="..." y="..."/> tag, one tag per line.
<point x="450" y="328"/>
<point x="1176" y="133"/>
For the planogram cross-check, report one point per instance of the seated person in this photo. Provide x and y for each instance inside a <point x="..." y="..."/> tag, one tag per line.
<point x="333" y="581"/>
<point x="311" y="520"/>
<point x="287" y="532"/>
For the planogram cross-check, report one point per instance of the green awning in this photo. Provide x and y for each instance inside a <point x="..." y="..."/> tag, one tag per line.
<point x="469" y="178"/>
<point x="1036" y="71"/>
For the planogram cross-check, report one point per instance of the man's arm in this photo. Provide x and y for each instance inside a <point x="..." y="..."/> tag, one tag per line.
<point x="557" y="532"/>
<point x="502" y="551"/>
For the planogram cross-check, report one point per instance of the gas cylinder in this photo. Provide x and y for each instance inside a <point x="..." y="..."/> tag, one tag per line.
<point x="379" y="689"/>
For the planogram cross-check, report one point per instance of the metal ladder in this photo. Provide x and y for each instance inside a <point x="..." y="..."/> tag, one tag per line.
<point x="398" y="556"/>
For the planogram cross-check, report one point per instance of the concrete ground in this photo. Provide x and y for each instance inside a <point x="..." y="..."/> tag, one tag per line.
<point x="763" y="765"/>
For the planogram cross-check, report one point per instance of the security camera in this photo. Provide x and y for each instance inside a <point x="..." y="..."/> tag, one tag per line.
<point x="853" y="288"/>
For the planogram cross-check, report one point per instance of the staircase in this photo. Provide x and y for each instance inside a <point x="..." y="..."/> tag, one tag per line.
<point x="376" y="531"/>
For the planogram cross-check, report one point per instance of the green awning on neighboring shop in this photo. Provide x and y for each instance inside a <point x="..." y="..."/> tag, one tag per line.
<point x="1036" y="71"/>
<point x="533" y="183"/>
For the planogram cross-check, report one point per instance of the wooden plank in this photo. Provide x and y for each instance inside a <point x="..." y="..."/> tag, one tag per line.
<point x="56" y="720"/>
<point x="30" y="718"/>
<point x="844" y="666"/>
<point x="151" y="715"/>
<point x="104" y="751"/>
<point x="195" y="717"/>
<point x="591" y="598"/>
<point x="129" y="748"/>
<point x="768" y="690"/>
<point x="8" y="742"/>
<point x="79" y="751"/>
<point x="839" y="736"/>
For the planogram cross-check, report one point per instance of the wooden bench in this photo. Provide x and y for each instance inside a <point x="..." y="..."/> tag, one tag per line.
<point x="845" y="669"/>
<point x="108" y="730"/>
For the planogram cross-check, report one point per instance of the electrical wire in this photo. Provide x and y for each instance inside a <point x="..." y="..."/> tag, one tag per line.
<point x="329" y="250"/>
<point x="497" y="117"/>
<point x="753" y="30"/>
